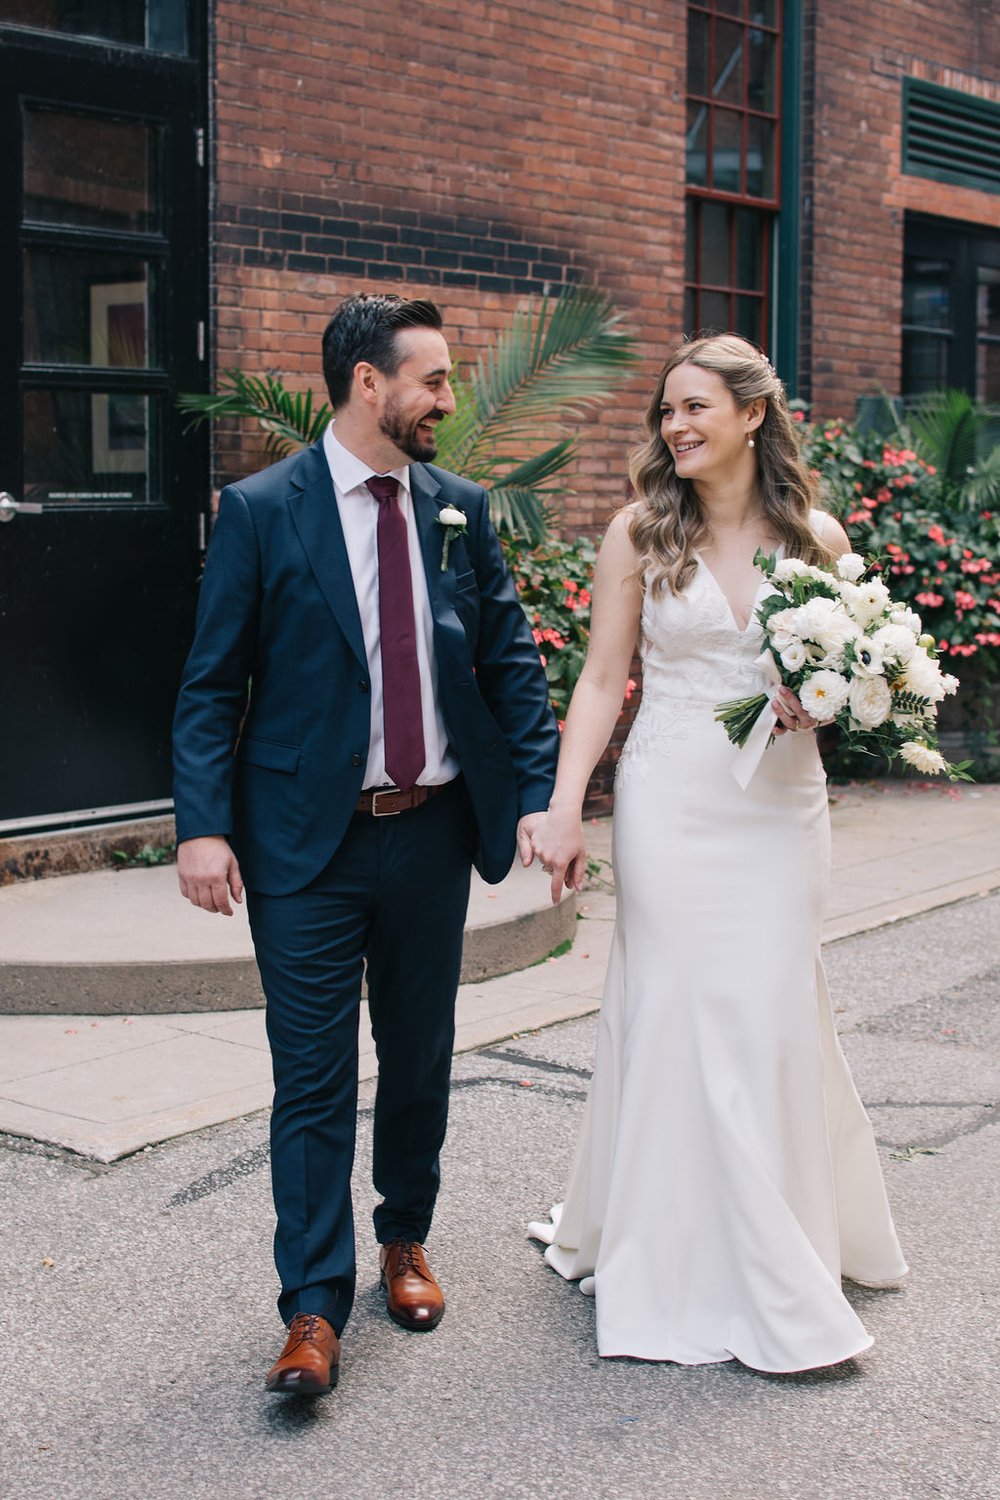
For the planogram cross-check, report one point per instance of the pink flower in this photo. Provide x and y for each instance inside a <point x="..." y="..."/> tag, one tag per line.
<point x="630" y="688"/>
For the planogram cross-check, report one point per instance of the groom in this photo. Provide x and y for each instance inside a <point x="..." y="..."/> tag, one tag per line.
<point x="363" y="717"/>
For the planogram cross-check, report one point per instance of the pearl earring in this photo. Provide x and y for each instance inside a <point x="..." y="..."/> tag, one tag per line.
<point x="751" y="443"/>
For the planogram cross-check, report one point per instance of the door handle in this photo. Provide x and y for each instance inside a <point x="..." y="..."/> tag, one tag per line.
<point x="9" y="507"/>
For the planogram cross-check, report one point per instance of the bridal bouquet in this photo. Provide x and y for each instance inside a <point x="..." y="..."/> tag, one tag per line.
<point x="853" y="656"/>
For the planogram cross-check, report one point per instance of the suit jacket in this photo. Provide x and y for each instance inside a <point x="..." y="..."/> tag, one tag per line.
<point x="273" y="719"/>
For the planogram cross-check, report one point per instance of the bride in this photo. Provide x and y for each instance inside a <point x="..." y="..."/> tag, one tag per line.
<point x="726" y="1175"/>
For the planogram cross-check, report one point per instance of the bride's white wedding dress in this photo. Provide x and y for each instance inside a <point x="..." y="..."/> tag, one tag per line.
<point x="726" y="1175"/>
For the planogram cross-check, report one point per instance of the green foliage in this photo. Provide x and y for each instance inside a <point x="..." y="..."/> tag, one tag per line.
<point x="553" y="581"/>
<point x="550" y="364"/>
<point x="149" y="854"/>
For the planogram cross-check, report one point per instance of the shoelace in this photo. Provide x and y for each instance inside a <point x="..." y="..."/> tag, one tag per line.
<point x="305" y="1328"/>
<point x="404" y="1259"/>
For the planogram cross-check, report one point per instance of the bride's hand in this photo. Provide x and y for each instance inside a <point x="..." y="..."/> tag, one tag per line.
<point x="791" y="714"/>
<point x="559" y="844"/>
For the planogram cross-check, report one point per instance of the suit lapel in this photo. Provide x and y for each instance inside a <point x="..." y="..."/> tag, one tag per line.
<point x="426" y="506"/>
<point x="316" y="518"/>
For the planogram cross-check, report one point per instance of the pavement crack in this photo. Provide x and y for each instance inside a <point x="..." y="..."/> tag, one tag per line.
<point x="524" y="1059"/>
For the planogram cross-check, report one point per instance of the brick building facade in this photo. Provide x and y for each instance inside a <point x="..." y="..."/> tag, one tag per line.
<point x="195" y="183"/>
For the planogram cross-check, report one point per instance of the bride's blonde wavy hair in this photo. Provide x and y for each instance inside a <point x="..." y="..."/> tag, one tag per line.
<point x="667" y="524"/>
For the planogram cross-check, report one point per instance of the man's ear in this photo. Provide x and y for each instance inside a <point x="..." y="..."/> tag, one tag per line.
<point x="366" y="381"/>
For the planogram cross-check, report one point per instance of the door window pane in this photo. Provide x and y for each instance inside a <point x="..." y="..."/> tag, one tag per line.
<point x="925" y="363"/>
<point x="159" y="25"/>
<point x="988" y="300"/>
<point x="90" y="172"/>
<point x="748" y="310"/>
<point x="87" y="309"/>
<point x="86" y="447"/>
<point x="927" y="293"/>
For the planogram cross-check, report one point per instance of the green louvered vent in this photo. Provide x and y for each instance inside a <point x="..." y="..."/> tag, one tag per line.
<point x="950" y="136"/>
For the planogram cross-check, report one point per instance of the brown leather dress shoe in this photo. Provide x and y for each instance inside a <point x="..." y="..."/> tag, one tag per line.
<point x="413" y="1298"/>
<point x="309" y="1364"/>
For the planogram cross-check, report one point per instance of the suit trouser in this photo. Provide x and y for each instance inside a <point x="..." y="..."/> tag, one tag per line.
<point x="393" y="898"/>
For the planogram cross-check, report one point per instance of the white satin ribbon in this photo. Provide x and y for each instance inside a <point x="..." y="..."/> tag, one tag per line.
<point x="751" y="752"/>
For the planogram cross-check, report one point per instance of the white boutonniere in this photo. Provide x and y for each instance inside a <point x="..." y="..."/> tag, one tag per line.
<point x="454" y="522"/>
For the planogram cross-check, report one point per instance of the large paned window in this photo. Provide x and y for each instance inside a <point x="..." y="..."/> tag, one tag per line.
<point x="732" y="163"/>
<point x="951" y="309"/>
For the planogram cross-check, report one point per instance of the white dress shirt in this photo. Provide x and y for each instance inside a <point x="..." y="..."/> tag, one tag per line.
<point x="359" y="518"/>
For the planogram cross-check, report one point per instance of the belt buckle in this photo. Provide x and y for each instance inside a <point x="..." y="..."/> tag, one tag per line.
<point x="390" y="812"/>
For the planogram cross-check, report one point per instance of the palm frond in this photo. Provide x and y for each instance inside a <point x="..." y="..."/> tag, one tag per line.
<point x="534" y="471"/>
<point x="945" y="427"/>
<point x="550" y="361"/>
<point x="981" y="485"/>
<point x="287" y="417"/>
<point x="520" y="512"/>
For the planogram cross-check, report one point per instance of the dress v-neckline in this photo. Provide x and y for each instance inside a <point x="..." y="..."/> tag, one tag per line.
<point x="741" y="629"/>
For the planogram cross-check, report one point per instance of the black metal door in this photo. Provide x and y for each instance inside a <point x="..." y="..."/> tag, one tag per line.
<point x="104" y="265"/>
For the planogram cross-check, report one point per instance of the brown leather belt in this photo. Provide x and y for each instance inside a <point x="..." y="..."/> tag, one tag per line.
<point x="386" y="802"/>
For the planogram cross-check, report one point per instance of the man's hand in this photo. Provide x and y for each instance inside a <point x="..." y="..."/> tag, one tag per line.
<point x="208" y="871"/>
<point x="525" y="831"/>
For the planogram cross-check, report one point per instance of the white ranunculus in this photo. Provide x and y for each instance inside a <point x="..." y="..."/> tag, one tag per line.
<point x="824" y="694"/>
<point x="794" y="656"/>
<point x="850" y="566"/>
<point x="895" y="642"/>
<point x="908" y="618"/>
<point x="931" y="762"/>
<point x="866" y="601"/>
<point x="870" y="701"/>
<point x="949" y="683"/>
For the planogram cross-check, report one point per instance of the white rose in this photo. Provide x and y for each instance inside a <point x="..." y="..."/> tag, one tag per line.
<point x="826" y="622"/>
<point x="789" y="568"/>
<point x="908" y="618"/>
<point x="924" y="677"/>
<point x="896" y="643"/>
<point x="823" y="695"/>
<point x="931" y="762"/>
<point x="781" y="629"/>
<point x="850" y="566"/>
<point x="866" y="601"/>
<point x="870" y="701"/>
<point x="794" y="656"/>
<point x="451" y="516"/>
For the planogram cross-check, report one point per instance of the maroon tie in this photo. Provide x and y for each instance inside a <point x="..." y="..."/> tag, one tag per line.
<point x="401" y="716"/>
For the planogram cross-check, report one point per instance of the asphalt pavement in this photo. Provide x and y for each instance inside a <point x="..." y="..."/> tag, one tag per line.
<point x="138" y="1320"/>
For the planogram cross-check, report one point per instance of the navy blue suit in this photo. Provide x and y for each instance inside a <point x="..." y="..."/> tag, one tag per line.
<point x="271" y="742"/>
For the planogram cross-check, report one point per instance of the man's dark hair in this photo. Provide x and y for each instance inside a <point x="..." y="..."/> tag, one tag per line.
<point x="365" y="328"/>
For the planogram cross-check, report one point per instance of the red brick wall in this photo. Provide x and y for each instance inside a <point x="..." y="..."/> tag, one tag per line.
<point x="861" y="52"/>
<point x="477" y="153"/>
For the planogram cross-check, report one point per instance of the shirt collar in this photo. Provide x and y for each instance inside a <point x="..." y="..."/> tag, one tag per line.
<point x="350" y="472"/>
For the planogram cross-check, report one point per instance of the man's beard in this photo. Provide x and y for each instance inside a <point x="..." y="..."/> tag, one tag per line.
<point x="393" y="426"/>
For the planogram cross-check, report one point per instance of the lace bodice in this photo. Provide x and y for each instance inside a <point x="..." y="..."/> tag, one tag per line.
<point x="694" y="656"/>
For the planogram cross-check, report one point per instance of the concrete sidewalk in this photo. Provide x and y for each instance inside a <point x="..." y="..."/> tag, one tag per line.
<point x="105" y="1086"/>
